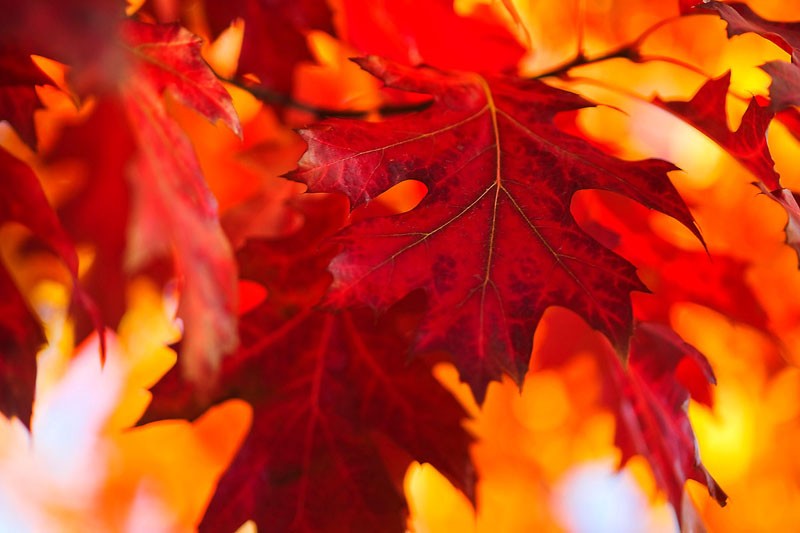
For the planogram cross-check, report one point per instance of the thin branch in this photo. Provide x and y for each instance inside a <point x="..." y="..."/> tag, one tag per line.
<point x="272" y="97"/>
<point x="626" y="51"/>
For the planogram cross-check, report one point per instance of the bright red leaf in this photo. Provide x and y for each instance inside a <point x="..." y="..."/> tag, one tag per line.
<point x="396" y="30"/>
<point x="162" y="206"/>
<point x="166" y="57"/>
<point x="493" y="243"/>
<point x="172" y="211"/>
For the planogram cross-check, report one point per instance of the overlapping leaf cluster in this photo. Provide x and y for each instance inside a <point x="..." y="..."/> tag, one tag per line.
<point x="343" y="396"/>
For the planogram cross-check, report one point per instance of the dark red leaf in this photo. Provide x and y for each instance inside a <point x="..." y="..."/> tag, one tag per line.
<point x="493" y="243"/>
<point x="785" y="76"/>
<point x="339" y="411"/>
<point x="748" y="144"/>
<point x="741" y="19"/>
<point x="651" y="411"/>
<point x="785" y="86"/>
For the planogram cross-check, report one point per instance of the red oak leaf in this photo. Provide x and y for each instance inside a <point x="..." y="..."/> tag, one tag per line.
<point x="785" y="76"/>
<point x="22" y="200"/>
<point x="173" y="213"/>
<point x="18" y="99"/>
<point x="493" y="243"/>
<point x="741" y="19"/>
<point x="274" y="36"/>
<point x="165" y="209"/>
<point x="339" y="412"/>
<point x="648" y="396"/>
<point x="651" y="401"/>
<point x="396" y="30"/>
<point x="166" y="57"/>
<point x="748" y="144"/>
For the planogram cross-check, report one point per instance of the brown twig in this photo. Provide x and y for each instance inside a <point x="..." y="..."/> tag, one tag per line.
<point x="626" y="51"/>
<point x="273" y="97"/>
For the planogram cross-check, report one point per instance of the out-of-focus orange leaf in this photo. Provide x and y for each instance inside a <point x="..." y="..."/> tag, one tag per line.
<point x="82" y="468"/>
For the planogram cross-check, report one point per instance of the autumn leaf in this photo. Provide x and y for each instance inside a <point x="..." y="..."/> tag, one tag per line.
<point x="785" y="76"/>
<point x="338" y="414"/>
<point x="742" y="19"/>
<point x="163" y="208"/>
<point x="166" y="57"/>
<point x="651" y="411"/>
<point x="748" y="144"/>
<point x="172" y="211"/>
<point x="493" y="243"/>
